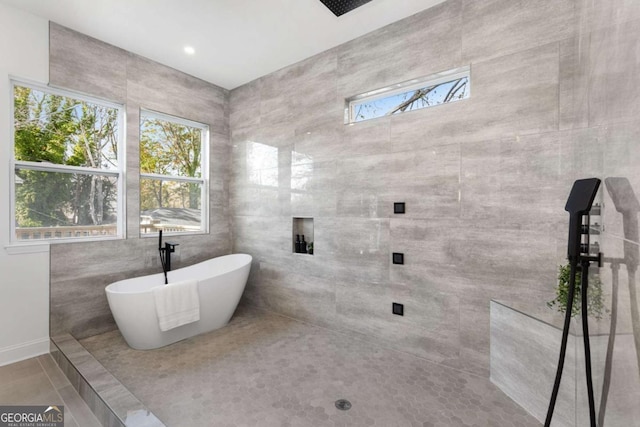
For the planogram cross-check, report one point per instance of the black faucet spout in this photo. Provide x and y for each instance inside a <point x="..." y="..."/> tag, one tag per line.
<point x="169" y="248"/>
<point x="165" y="255"/>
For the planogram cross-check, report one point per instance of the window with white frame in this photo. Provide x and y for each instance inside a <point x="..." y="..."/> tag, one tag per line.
<point x="173" y="174"/>
<point x="437" y="89"/>
<point x="67" y="180"/>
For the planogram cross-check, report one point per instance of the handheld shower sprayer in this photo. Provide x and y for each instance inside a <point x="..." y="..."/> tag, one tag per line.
<point x="578" y="205"/>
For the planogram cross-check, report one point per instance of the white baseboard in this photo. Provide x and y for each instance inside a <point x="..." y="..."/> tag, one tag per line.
<point x="27" y="350"/>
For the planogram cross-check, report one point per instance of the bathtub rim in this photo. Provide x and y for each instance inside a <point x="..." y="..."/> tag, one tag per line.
<point x="110" y="288"/>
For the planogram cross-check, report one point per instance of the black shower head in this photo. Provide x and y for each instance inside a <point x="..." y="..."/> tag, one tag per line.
<point x="581" y="197"/>
<point x="578" y="204"/>
<point x="340" y="7"/>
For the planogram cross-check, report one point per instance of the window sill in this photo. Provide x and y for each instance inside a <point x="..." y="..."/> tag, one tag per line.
<point x="45" y="245"/>
<point x="31" y="248"/>
<point x="173" y="234"/>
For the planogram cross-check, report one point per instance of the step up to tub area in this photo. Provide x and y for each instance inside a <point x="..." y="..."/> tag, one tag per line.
<point x="110" y="401"/>
<point x="525" y="343"/>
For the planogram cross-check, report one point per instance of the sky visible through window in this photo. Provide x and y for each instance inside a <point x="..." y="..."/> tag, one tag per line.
<point x="414" y="99"/>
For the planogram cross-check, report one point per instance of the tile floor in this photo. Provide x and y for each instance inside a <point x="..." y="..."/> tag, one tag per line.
<point x="39" y="381"/>
<point x="267" y="370"/>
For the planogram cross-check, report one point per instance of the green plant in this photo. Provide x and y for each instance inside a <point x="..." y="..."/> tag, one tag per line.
<point x="595" y="300"/>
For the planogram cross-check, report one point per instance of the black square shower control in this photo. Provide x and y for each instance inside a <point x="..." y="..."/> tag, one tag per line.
<point x="398" y="309"/>
<point x="398" y="208"/>
<point x="398" y="258"/>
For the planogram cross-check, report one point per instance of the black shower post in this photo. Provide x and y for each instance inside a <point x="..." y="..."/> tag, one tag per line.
<point x="578" y="205"/>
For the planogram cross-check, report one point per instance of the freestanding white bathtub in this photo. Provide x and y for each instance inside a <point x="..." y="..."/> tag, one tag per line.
<point x="221" y="282"/>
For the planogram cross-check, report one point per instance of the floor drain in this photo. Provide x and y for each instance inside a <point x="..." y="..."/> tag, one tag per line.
<point x="343" y="404"/>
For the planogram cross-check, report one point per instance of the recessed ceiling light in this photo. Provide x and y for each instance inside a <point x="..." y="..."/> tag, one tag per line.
<point x="189" y="50"/>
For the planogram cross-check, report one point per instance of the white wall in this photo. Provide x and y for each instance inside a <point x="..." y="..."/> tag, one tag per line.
<point x="24" y="277"/>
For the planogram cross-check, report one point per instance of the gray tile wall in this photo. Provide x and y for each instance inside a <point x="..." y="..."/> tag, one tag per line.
<point x="80" y="271"/>
<point x="485" y="180"/>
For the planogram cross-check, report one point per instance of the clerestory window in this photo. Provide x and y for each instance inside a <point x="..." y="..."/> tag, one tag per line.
<point x="437" y="89"/>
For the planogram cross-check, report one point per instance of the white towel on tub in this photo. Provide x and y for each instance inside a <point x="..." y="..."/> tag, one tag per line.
<point x="177" y="304"/>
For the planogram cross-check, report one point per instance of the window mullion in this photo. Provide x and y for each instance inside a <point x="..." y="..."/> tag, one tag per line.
<point x="171" y="178"/>
<point x="53" y="167"/>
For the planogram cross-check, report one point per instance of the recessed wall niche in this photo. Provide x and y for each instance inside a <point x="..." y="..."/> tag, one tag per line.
<point x="302" y="236"/>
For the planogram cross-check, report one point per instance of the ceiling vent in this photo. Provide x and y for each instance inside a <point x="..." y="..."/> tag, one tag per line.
<point x="340" y="7"/>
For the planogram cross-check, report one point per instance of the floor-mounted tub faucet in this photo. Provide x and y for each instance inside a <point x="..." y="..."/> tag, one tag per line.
<point x="165" y="255"/>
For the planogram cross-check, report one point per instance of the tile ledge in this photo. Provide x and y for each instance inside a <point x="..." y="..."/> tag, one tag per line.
<point x="127" y="408"/>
